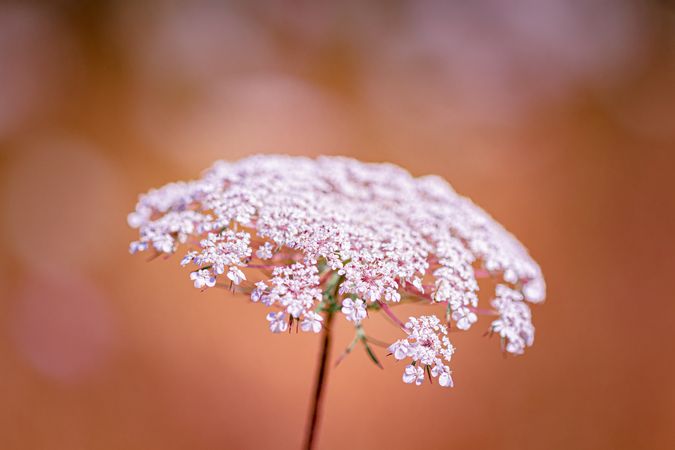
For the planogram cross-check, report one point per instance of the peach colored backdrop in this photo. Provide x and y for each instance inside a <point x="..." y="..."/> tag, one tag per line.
<point x="557" y="118"/>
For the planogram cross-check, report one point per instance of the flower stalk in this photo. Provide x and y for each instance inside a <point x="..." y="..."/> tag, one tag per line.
<point x="329" y="306"/>
<point x="319" y="384"/>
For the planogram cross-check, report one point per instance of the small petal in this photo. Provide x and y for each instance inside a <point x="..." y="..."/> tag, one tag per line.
<point x="203" y="278"/>
<point x="354" y="310"/>
<point x="311" y="322"/>
<point x="278" y="323"/>
<point x="189" y="256"/>
<point x="445" y="380"/>
<point x="236" y="275"/>
<point x="409" y="374"/>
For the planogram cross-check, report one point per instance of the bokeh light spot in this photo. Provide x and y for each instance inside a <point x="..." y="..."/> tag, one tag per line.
<point x="60" y="204"/>
<point x="61" y="325"/>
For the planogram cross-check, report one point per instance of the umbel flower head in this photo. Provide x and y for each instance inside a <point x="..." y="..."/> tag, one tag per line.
<point x="334" y="234"/>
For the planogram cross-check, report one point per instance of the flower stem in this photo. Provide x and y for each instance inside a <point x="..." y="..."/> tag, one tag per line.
<point x="391" y="314"/>
<point x="320" y="381"/>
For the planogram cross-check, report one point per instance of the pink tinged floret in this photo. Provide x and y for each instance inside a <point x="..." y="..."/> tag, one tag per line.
<point x="400" y="349"/>
<point x="445" y="380"/>
<point x="278" y="322"/>
<point x="354" y="310"/>
<point x="514" y="324"/>
<point x="265" y="251"/>
<point x="294" y="288"/>
<point x="203" y="278"/>
<point x="413" y="374"/>
<point x="428" y="346"/>
<point x="236" y="275"/>
<point x="258" y="293"/>
<point x="312" y="322"/>
<point x="417" y="283"/>
<point x="188" y="258"/>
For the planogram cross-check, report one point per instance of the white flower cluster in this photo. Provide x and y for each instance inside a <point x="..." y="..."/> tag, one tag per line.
<point x="515" y="320"/>
<point x="294" y="289"/>
<point x="383" y="232"/>
<point x="354" y="310"/>
<point x="429" y="348"/>
<point x="227" y="249"/>
<point x="455" y="281"/>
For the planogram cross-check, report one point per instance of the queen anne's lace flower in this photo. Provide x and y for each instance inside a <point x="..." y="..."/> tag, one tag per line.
<point x="412" y="374"/>
<point x="515" y="320"/>
<point x="264" y="251"/>
<point x="429" y="348"/>
<point x="203" y="278"/>
<point x="278" y="322"/>
<point x="311" y="322"/>
<point x="354" y="310"/>
<point x="363" y="236"/>
<point x="295" y="289"/>
<point x="236" y="275"/>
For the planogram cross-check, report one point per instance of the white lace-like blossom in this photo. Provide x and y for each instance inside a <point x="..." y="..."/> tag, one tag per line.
<point x="265" y="251"/>
<point x="294" y="288"/>
<point x="412" y="374"/>
<point x="278" y="322"/>
<point x="515" y="320"/>
<point x="236" y="275"/>
<point x="203" y="278"/>
<point x="455" y="282"/>
<point x="379" y="234"/>
<point x="312" y="322"/>
<point x="354" y="310"/>
<point x="429" y="348"/>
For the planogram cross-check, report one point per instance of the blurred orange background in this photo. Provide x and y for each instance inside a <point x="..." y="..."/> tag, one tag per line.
<point x="557" y="117"/>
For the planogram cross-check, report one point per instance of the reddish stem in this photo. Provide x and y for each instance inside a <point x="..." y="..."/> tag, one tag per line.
<point x="320" y="382"/>
<point x="390" y="313"/>
<point x="414" y="291"/>
<point x="481" y="273"/>
<point x="483" y="311"/>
